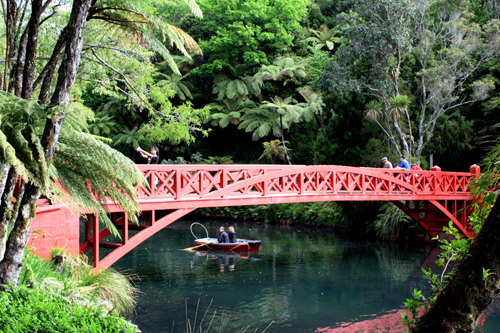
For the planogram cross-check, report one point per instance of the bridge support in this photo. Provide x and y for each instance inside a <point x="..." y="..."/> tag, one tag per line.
<point x="54" y="226"/>
<point x="433" y="215"/>
<point x="95" y="240"/>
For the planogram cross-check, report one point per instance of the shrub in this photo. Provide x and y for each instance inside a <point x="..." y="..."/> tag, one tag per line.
<point x="27" y="309"/>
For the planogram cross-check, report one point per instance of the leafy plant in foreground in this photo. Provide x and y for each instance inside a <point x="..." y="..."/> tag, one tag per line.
<point x="33" y="310"/>
<point x="454" y="249"/>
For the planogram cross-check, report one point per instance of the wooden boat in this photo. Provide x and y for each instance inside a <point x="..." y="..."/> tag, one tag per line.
<point x="240" y="245"/>
<point x="212" y="243"/>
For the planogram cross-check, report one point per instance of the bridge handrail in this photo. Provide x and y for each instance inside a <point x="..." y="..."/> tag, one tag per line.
<point x="200" y="180"/>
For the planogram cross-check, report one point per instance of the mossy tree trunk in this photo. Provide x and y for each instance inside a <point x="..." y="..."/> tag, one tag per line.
<point x="20" y="215"/>
<point x="460" y="305"/>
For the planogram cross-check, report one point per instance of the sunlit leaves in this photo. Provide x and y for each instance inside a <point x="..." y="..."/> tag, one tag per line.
<point x="89" y="171"/>
<point x="249" y="31"/>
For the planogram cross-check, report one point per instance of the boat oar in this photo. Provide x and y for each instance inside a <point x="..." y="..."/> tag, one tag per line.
<point x="195" y="247"/>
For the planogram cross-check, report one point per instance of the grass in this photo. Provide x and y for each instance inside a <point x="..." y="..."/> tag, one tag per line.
<point x="209" y="320"/>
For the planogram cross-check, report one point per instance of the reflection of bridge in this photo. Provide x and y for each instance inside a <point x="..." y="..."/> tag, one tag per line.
<point x="432" y="198"/>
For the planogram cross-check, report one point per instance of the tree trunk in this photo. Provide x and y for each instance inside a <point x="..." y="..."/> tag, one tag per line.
<point x="50" y="68"/>
<point x="401" y="136"/>
<point x="321" y="124"/>
<point x="25" y="207"/>
<point x="283" y="141"/>
<point x="37" y="9"/>
<point x="460" y="305"/>
<point x="10" y="266"/>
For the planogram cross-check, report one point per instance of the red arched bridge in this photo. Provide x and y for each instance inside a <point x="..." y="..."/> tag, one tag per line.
<point x="431" y="198"/>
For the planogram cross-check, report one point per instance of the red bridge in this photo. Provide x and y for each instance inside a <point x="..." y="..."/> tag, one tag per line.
<point x="431" y="198"/>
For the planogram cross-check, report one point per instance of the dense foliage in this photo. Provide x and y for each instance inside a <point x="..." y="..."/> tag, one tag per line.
<point x="33" y="310"/>
<point x="64" y="295"/>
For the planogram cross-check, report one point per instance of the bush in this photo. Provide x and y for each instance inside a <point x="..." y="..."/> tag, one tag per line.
<point x="27" y="309"/>
<point x="328" y="214"/>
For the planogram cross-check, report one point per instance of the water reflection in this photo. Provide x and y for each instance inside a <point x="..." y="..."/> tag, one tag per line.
<point x="227" y="259"/>
<point x="302" y="279"/>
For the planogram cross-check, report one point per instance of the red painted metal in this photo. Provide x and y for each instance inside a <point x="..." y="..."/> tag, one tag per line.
<point x="430" y="197"/>
<point x="54" y="226"/>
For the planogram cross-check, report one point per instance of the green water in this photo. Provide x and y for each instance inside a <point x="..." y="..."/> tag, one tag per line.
<point x="301" y="280"/>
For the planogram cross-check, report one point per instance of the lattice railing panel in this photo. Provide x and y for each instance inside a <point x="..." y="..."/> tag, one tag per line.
<point x="198" y="181"/>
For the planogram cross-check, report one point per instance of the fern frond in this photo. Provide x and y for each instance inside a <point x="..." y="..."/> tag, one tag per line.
<point x="195" y="9"/>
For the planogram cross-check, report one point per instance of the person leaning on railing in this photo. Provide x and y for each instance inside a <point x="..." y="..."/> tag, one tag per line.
<point x="387" y="164"/>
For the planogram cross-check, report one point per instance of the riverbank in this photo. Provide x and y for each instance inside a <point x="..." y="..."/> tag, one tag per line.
<point x="65" y="295"/>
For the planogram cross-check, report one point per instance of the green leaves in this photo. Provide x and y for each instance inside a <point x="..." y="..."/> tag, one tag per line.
<point x="21" y="122"/>
<point x="89" y="171"/>
<point x="248" y="31"/>
<point x="274" y="149"/>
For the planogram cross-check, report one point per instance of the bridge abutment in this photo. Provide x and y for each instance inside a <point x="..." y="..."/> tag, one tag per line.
<point x="54" y="226"/>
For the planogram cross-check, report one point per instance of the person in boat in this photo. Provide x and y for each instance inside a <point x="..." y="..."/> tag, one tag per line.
<point x="223" y="237"/>
<point x="232" y="235"/>
<point x="226" y="261"/>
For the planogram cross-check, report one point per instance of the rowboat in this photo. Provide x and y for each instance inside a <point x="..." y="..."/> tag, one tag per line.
<point x="240" y="245"/>
<point x="213" y="244"/>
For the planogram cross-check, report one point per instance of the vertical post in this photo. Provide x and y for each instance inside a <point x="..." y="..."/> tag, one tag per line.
<point x="302" y="185"/>
<point x="223" y="178"/>
<point x="151" y="218"/>
<point x="125" y="229"/>
<point x="334" y="182"/>
<point x="95" y="242"/>
<point x="152" y="183"/>
<point x="177" y="184"/>
<point x="87" y="227"/>
<point x="437" y="178"/>
<point x="475" y="172"/>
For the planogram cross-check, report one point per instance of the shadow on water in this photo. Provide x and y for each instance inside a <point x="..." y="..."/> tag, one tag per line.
<point x="302" y="280"/>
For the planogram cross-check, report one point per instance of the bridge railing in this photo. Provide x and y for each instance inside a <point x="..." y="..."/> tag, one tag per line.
<point x="177" y="182"/>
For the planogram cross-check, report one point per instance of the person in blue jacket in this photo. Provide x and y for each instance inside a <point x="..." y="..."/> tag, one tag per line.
<point x="404" y="163"/>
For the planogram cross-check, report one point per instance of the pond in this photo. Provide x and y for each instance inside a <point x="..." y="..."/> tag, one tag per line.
<point x="301" y="280"/>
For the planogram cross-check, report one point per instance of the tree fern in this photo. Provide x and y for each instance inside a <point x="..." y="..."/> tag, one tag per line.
<point x="127" y="16"/>
<point x="228" y="112"/>
<point x="84" y="171"/>
<point x="234" y="82"/>
<point x="283" y="69"/>
<point x="20" y="120"/>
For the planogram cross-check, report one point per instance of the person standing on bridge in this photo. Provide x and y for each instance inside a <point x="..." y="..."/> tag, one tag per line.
<point x="404" y="163"/>
<point x="416" y="167"/>
<point x="232" y="235"/>
<point x="387" y="164"/>
<point x="153" y="157"/>
<point x="223" y="237"/>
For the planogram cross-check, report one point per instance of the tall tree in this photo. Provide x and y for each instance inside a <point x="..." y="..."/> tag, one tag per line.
<point x="36" y="150"/>
<point x="425" y="50"/>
